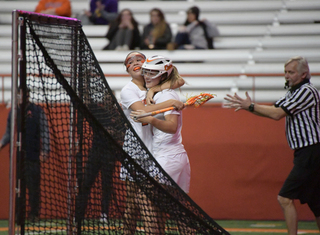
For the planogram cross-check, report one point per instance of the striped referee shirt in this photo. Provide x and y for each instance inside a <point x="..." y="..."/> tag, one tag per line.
<point x="302" y="104"/>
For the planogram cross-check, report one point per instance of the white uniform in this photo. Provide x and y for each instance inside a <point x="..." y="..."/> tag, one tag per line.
<point x="168" y="148"/>
<point x="129" y="95"/>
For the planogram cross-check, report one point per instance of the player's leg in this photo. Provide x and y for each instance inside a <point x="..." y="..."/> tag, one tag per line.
<point x="108" y="167"/>
<point x="151" y="215"/>
<point x="131" y="211"/>
<point x="91" y="172"/>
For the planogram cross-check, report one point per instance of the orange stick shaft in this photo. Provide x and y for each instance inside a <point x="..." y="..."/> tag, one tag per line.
<point x="190" y="101"/>
<point x="161" y="111"/>
<point x="155" y="112"/>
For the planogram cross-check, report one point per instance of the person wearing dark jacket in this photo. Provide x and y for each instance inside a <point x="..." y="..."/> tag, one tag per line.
<point x="157" y="34"/>
<point x="123" y="33"/>
<point x="101" y="12"/>
<point x="37" y="148"/>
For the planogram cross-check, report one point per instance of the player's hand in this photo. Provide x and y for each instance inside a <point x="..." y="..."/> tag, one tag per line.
<point x="178" y="105"/>
<point x="149" y="98"/>
<point x="134" y="114"/>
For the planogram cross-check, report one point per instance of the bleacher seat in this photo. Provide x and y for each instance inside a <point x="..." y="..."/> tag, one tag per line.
<point x="176" y="6"/>
<point x="294" y="29"/>
<point x="169" y="6"/>
<point x="279" y="55"/>
<point x="267" y="42"/>
<point x="302" y="5"/>
<point x="256" y="37"/>
<point x="219" y="56"/>
<point x="309" y="41"/>
<point x="298" y="17"/>
<point x="5" y="30"/>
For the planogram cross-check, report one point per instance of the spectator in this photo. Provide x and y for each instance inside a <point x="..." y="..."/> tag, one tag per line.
<point x="54" y="7"/>
<point x="36" y="150"/>
<point x="102" y="12"/>
<point x="195" y="34"/>
<point x="157" y="34"/>
<point x="123" y="33"/>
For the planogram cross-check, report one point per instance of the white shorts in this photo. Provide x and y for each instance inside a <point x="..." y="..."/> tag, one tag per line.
<point x="178" y="167"/>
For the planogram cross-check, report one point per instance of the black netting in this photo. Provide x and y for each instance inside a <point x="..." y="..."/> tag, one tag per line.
<point x="99" y="177"/>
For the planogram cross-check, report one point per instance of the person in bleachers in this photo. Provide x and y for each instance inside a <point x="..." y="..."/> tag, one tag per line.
<point x="157" y="34"/>
<point x="195" y="33"/>
<point x="123" y="33"/>
<point x="54" y="7"/>
<point x="101" y="12"/>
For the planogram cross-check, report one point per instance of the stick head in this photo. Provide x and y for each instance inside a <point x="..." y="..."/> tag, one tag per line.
<point x="199" y="100"/>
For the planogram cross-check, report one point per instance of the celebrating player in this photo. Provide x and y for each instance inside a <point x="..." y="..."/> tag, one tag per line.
<point x="133" y="98"/>
<point x="167" y="141"/>
<point x="167" y="145"/>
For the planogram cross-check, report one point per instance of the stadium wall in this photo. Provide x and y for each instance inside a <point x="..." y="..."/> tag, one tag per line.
<point x="238" y="163"/>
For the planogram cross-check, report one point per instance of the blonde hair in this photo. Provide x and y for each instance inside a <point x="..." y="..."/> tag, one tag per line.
<point x="173" y="77"/>
<point x="160" y="28"/>
<point x="302" y="67"/>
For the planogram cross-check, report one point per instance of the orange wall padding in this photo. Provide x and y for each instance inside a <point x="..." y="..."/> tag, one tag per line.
<point x="238" y="163"/>
<point x="4" y="167"/>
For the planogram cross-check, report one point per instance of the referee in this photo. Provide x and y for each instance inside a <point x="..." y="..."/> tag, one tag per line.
<point x="301" y="107"/>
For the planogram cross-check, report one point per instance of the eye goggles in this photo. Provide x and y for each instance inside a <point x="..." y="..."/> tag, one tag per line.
<point x="131" y="59"/>
<point x="152" y="74"/>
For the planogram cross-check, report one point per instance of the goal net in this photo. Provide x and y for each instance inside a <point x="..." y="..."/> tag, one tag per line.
<point x="82" y="169"/>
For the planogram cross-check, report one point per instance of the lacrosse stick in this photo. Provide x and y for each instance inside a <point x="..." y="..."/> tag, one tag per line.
<point x="197" y="101"/>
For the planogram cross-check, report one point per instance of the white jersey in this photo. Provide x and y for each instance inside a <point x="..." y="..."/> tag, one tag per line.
<point x="166" y="143"/>
<point x="168" y="149"/>
<point x="130" y="94"/>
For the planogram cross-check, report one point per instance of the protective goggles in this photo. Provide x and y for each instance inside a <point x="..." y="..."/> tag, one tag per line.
<point x="134" y="58"/>
<point x="152" y="74"/>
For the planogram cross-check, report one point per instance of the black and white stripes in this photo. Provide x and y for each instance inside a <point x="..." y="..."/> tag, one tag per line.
<point x="302" y="105"/>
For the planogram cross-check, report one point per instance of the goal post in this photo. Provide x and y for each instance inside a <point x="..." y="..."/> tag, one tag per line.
<point x="82" y="167"/>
